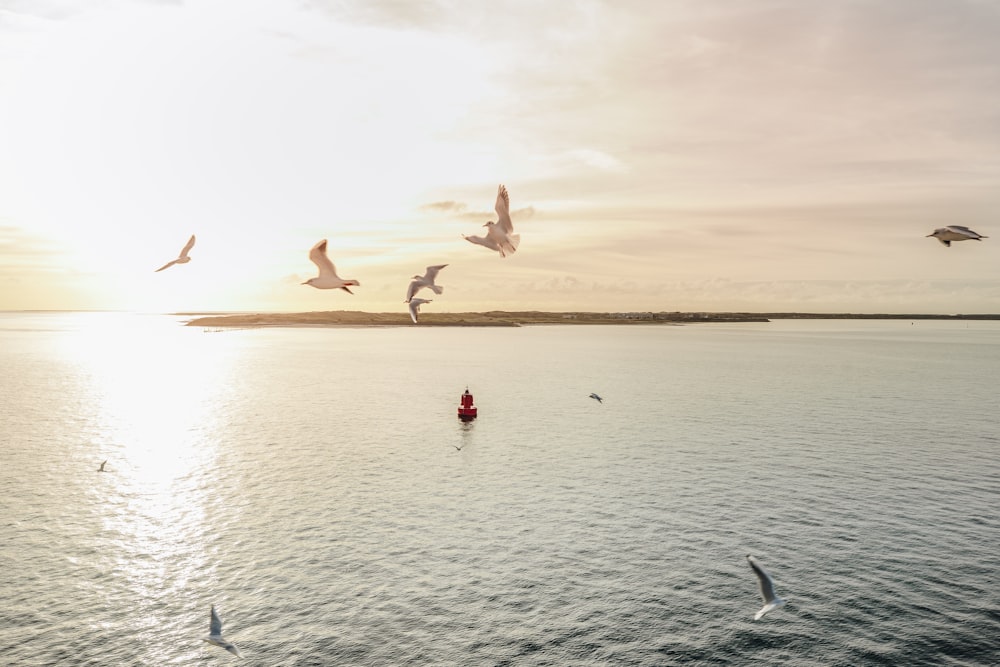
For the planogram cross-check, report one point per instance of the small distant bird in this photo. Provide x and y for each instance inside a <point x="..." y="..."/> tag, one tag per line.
<point x="771" y="600"/>
<point x="215" y="635"/>
<point x="426" y="280"/>
<point x="457" y="447"/>
<point x="597" y="398"/>
<point x="182" y="258"/>
<point x="101" y="469"/>
<point x="500" y="235"/>
<point x="415" y="304"/>
<point x="327" y="278"/>
<point x="955" y="233"/>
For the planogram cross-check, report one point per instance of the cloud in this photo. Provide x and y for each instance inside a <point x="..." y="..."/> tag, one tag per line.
<point x="523" y="213"/>
<point x="769" y="143"/>
<point x="460" y="210"/>
<point x="429" y="14"/>
<point x="444" y="207"/>
<point x="36" y="12"/>
<point x="22" y="251"/>
<point x="40" y="9"/>
<point x="516" y="214"/>
<point x="776" y="94"/>
<point x="596" y="159"/>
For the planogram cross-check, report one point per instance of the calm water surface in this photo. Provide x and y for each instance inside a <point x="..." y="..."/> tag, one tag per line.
<point x="308" y="483"/>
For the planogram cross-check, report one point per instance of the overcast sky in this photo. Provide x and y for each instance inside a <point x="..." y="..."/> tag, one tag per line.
<point x="760" y="155"/>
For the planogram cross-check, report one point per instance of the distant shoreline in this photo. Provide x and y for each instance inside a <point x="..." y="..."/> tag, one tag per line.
<point x="354" y="318"/>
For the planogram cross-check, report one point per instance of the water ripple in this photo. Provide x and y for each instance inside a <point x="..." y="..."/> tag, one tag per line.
<point x="333" y="531"/>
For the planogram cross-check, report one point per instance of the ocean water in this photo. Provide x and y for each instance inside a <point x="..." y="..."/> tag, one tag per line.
<point x="316" y="486"/>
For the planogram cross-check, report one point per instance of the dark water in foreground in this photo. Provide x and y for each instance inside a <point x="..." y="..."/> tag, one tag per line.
<point x="307" y="483"/>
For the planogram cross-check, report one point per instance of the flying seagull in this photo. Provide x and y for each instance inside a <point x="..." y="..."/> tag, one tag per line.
<point x="215" y="635"/>
<point x="101" y="469"/>
<point x="771" y="599"/>
<point x="955" y="233"/>
<point x="415" y="304"/>
<point x="182" y="258"/>
<point x="426" y="280"/>
<point x="327" y="278"/>
<point x="500" y="235"/>
<point x="596" y="398"/>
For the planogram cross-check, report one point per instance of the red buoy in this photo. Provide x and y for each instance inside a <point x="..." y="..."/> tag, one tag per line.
<point x="466" y="410"/>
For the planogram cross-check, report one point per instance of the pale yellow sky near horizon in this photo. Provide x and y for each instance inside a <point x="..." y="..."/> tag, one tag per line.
<point x="760" y="155"/>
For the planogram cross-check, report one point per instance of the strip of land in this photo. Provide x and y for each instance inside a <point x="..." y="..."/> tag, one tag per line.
<point x="496" y="318"/>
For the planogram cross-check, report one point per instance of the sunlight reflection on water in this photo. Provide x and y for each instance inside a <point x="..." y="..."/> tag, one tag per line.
<point x="155" y="389"/>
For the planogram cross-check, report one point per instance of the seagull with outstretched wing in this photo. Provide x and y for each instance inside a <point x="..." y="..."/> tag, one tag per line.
<point x="182" y="258"/>
<point x="955" y="233"/>
<point x="327" y="278"/>
<point x="414" y="307"/>
<point x="771" y="599"/>
<point x="215" y="635"/>
<point x="426" y="280"/>
<point x="500" y="235"/>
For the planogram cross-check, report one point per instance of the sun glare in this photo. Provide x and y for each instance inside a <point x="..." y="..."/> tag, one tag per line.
<point x="156" y="388"/>
<point x="156" y="395"/>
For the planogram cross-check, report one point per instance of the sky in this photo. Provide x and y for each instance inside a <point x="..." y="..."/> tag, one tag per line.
<point x="661" y="155"/>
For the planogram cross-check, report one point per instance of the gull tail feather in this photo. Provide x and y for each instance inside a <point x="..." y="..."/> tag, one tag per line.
<point x="770" y="606"/>
<point x="437" y="289"/>
<point x="508" y="246"/>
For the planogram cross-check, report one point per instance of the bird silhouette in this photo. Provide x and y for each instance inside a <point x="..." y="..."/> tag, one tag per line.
<point x="182" y="258"/>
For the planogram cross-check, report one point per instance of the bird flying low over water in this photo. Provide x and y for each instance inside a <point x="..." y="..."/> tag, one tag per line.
<point x="101" y="469"/>
<point x="215" y="635"/>
<point x="426" y="280"/>
<point x="771" y="599"/>
<point x="415" y="304"/>
<point x="597" y="398"/>
<point x="500" y="235"/>
<point x="955" y="233"/>
<point x="182" y="258"/>
<point x="327" y="278"/>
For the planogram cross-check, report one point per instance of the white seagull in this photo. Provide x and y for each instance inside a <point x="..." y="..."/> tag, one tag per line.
<point x="182" y="258"/>
<point x="500" y="235"/>
<point x="327" y="278"/>
<point x="771" y="599"/>
<point x="597" y="398"/>
<point x="415" y="304"/>
<point x="426" y="280"/>
<point x="215" y="635"/>
<point x="955" y="233"/>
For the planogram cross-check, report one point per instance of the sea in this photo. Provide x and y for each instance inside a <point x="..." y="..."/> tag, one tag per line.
<point x="316" y="487"/>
